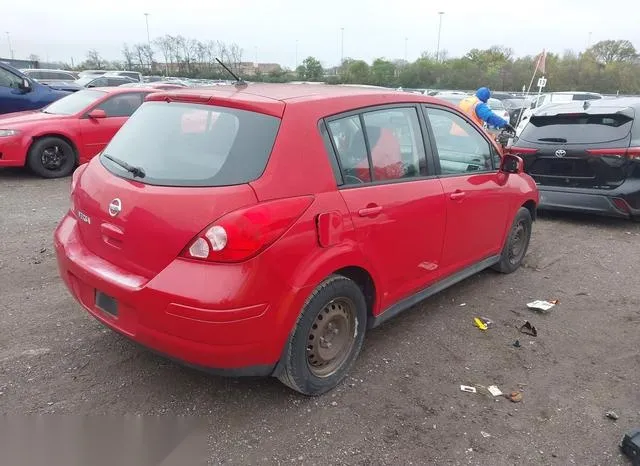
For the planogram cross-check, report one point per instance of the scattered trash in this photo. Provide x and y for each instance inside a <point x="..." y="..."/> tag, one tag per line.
<point x="463" y="304"/>
<point x="485" y="434"/>
<point x="554" y="301"/>
<point x="630" y="446"/>
<point x="543" y="306"/>
<point x="529" y="329"/>
<point x="494" y="390"/>
<point x="482" y="323"/>
<point x="468" y="389"/>
<point x="612" y="415"/>
<point x="43" y="250"/>
<point x="515" y="397"/>
<point x="516" y="344"/>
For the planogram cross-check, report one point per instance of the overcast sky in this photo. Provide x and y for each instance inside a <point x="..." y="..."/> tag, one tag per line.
<point x="372" y="28"/>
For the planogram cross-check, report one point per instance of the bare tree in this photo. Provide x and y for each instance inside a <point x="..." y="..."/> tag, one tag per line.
<point x="141" y="57"/>
<point x="94" y="60"/>
<point x="235" y="57"/>
<point x="128" y="57"/>
<point x="165" y="45"/>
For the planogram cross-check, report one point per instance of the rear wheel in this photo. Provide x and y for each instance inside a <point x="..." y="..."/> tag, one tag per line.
<point x="327" y="338"/>
<point x="517" y="242"/>
<point x="51" y="157"/>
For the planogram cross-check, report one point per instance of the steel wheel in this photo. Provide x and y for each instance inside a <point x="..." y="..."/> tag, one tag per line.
<point x="518" y="242"/>
<point x="331" y="337"/>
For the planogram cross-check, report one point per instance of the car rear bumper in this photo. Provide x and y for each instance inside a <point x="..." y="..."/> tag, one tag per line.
<point x="621" y="202"/>
<point x="219" y="335"/>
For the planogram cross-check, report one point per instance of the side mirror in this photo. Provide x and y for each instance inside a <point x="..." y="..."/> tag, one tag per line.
<point x="97" y="113"/>
<point x="25" y="85"/>
<point x="512" y="164"/>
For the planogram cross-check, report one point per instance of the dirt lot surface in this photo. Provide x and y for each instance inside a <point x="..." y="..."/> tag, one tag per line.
<point x="402" y="403"/>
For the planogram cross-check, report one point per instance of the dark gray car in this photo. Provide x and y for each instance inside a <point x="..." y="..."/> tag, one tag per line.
<point x="585" y="156"/>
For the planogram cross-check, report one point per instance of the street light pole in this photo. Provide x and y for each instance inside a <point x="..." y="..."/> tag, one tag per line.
<point x="341" y="46"/>
<point x="146" y="18"/>
<point x="440" y="13"/>
<point x="297" y="53"/>
<point x="10" y="48"/>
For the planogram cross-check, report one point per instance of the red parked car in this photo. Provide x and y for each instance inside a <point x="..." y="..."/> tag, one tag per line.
<point x="52" y="141"/>
<point x="261" y="230"/>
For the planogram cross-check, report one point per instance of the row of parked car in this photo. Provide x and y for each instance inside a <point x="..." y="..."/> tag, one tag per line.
<point x="582" y="149"/>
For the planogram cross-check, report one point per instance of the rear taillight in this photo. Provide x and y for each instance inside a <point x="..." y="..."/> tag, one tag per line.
<point x="631" y="152"/>
<point x="74" y="181"/>
<point x="521" y="150"/>
<point x="243" y="233"/>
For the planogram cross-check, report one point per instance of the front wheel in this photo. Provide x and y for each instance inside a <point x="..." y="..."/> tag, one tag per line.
<point x="327" y="337"/>
<point x="517" y="242"/>
<point x="51" y="157"/>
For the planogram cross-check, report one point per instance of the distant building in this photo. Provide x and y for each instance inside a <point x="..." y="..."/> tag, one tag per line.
<point x="20" y="64"/>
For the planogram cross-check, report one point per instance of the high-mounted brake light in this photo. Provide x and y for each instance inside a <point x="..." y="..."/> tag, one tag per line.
<point x="243" y="233"/>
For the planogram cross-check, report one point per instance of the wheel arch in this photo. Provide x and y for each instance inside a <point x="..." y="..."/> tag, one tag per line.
<point x="530" y="205"/>
<point x="54" y="134"/>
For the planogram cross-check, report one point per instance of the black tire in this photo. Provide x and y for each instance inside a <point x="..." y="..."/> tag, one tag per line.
<point x="517" y="243"/>
<point x="51" y="157"/>
<point x="306" y="365"/>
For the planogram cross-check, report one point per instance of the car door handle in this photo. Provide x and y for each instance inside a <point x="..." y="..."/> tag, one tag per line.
<point x="369" y="211"/>
<point x="457" y="195"/>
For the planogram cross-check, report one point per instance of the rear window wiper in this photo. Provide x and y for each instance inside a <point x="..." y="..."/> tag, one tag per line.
<point x="562" y="140"/>
<point x="135" y="171"/>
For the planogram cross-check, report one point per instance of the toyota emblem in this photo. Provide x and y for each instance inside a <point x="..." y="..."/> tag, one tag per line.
<point x="561" y="153"/>
<point x="115" y="207"/>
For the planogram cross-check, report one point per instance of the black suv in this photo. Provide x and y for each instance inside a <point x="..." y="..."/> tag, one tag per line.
<point x="585" y="156"/>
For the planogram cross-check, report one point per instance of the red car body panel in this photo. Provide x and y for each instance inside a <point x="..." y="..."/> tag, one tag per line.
<point x="237" y="316"/>
<point x="87" y="136"/>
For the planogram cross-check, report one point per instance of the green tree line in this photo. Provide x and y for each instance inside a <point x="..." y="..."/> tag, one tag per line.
<point x="608" y="67"/>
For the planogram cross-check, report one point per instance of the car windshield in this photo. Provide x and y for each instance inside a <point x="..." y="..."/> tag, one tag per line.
<point x="179" y="144"/>
<point x="74" y="103"/>
<point x="85" y="80"/>
<point x="577" y="128"/>
<point x="514" y="103"/>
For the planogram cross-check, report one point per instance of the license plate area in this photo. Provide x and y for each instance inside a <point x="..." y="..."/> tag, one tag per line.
<point x="106" y="303"/>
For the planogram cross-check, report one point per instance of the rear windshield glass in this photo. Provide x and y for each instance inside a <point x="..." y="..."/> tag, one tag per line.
<point x="178" y="144"/>
<point x="577" y="129"/>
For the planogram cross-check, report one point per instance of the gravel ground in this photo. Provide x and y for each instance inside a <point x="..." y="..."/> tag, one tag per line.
<point x="402" y="402"/>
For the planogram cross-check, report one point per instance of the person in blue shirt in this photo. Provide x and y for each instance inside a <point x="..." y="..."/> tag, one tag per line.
<point x="476" y="108"/>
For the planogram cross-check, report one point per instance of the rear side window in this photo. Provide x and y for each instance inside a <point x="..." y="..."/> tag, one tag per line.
<point x="179" y="144"/>
<point x="577" y="129"/>
<point x="389" y="148"/>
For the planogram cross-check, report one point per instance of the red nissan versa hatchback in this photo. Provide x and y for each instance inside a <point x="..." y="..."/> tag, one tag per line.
<point x="261" y="229"/>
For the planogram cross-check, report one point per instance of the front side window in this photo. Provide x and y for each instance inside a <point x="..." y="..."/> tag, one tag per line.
<point x="461" y="148"/>
<point x="122" y="105"/>
<point x="8" y="79"/>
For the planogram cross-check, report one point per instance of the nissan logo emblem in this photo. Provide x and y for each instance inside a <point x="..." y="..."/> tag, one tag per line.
<point x="115" y="207"/>
<point x="561" y="153"/>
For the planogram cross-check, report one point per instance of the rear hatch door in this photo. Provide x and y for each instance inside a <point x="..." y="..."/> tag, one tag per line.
<point x="192" y="162"/>
<point x="579" y="148"/>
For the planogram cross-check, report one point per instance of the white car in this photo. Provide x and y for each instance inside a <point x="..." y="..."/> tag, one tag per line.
<point x="498" y="108"/>
<point x="552" y="98"/>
